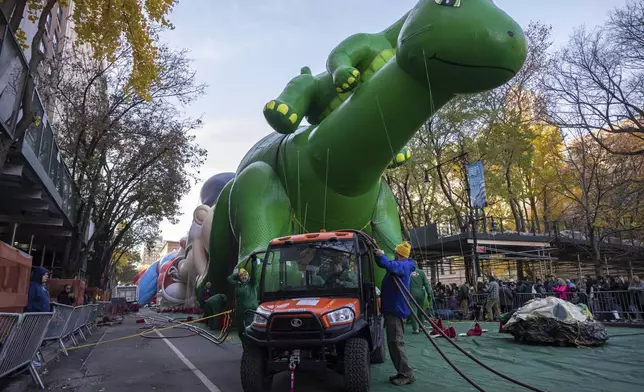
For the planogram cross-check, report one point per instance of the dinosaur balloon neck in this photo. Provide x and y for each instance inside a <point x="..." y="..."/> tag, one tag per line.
<point x="444" y="47"/>
<point x="392" y="32"/>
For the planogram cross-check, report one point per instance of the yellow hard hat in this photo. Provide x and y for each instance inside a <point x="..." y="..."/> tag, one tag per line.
<point x="242" y="272"/>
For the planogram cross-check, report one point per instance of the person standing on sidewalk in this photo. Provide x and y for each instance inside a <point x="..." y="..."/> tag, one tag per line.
<point x="396" y="310"/>
<point x="492" y="303"/>
<point x="38" y="299"/>
<point x="419" y="288"/>
<point x="66" y="297"/>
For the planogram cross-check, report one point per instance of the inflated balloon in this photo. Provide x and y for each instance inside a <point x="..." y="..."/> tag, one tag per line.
<point x="148" y="284"/>
<point x="213" y="186"/>
<point x="179" y="271"/>
<point x="377" y="92"/>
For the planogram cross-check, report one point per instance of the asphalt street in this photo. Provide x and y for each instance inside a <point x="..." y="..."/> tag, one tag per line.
<point x="177" y="363"/>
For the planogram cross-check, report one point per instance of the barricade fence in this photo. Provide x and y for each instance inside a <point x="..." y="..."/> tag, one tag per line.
<point x="604" y="305"/>
<point x="23" y="335"/>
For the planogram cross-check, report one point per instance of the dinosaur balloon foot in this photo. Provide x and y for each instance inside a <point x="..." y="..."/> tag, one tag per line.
<point x="281" y="116"/>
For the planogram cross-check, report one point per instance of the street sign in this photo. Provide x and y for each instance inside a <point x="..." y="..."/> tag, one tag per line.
<point x="480" y="249"/>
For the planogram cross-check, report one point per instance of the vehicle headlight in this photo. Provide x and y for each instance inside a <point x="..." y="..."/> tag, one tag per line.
<point x="261" y="318"/>
<point x="340" y="316"/>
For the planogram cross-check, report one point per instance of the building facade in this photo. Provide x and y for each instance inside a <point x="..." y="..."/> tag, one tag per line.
<point x="169" y="247"/>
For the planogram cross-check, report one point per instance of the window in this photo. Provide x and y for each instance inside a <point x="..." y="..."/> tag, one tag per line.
<point x="48" y="21"/>
<point x="54" y="42"/>
<point x="311" y="268"/>
<point x="42" y="47"/>
<point x="60" y="15"/>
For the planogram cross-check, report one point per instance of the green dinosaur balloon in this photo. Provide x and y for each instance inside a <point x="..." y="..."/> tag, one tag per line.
<point x="377" y="92"/>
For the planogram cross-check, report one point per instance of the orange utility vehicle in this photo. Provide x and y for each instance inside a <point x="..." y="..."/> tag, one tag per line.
<point x="319" y="309"/>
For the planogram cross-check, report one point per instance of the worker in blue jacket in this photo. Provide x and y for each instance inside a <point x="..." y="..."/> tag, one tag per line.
<point x="38" y="299"/>
<point x="396" y="310"/>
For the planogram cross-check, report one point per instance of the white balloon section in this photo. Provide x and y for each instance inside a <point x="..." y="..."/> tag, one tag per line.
<point x="178" y="276"/>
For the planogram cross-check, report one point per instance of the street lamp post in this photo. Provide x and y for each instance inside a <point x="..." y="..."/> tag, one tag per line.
<point x="475" y="272"/>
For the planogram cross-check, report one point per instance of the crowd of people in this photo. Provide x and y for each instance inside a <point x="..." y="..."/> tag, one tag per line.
<point x="611" y="298"/>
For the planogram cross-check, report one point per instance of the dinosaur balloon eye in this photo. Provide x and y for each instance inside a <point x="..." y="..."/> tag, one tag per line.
<point x="449" y="3"/>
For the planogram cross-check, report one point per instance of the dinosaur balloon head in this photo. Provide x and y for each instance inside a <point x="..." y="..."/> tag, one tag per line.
<point x="463" y="46"/>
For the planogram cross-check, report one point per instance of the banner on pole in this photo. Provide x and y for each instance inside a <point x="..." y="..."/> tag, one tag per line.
<point x="477" y="184"/>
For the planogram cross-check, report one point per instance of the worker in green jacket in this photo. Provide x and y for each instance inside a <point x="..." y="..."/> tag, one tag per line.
<point x="214" y="305"/>
<point x="246" y="295"/>
<point x="419" y="287"/>
<point x="341" y="275"/>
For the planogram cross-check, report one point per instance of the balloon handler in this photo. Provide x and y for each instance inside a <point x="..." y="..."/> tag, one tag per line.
<point x="419" y="288"/>
<point x="214" y="305"/>
<point x="395" y="309"/>
<point x="246" y="298"/>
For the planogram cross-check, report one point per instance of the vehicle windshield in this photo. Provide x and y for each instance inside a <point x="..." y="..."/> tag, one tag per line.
<point x="319" y="268"/>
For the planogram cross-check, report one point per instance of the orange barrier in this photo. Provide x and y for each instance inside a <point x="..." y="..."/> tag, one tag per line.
<point x="98" y="295"/>
<point x="56" y="286"/>
<point x="15" y="272"/>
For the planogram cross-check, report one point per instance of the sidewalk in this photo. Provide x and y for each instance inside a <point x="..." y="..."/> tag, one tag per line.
<point x="176" y="361"/>
<point x="56" y="365"/>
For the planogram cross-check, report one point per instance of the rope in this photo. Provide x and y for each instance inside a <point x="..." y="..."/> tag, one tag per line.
<point x="404" y="292"/>
<point x="407" y="296"/>
<point x="422" y="327"/>
<point x="143" y="333"/>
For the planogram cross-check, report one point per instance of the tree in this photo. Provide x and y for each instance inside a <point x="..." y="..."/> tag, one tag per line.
<point x="596" y="80"/>
<point x="603" y="190"/>
<point x="107" y="26"/>
<point x="507" y="142"/>
<point x="126" y="267"/>
<point x="132" y="158"/>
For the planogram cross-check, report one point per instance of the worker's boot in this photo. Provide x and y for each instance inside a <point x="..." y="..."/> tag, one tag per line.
<point x="403" y="380"/>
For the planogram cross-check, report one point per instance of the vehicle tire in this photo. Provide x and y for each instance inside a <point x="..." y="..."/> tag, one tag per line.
<point x="357" y="375"/>
<point x="378" y="355"/>
<point x="253" y="371"/>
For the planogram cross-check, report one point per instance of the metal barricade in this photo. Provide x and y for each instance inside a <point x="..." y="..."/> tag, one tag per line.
<point x="88" y="319"/>
<point x="8" y="322"/>
<point x="71" y="325"/>
<point x="80" y="322"/>
<point x="617" y="305"/>
<point x="520" y="299"/>
<point x="443" y="308"/>
<point x="62" y="317"/>
<point x="91" y="318"/>
<point x="23" y="335"/>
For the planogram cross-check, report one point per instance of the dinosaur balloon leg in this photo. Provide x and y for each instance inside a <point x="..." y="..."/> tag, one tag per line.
<point x="286" y="112"/>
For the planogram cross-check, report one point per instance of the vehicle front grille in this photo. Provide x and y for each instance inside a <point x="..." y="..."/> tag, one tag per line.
<point x="283" y="324"/>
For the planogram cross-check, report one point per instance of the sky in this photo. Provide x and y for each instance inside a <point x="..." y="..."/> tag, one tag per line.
<point x="247" y="50"/>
